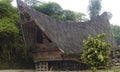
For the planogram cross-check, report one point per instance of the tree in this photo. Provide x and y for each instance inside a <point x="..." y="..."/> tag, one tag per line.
<point x="109" y="15"/>
<point x="6" y="1"/>
<point x="8" y="31"/>
<point x="50" y="8"/>
<point x="94" y="8"/>
<point x="96" y="52"/>
<point x="33" y="3"/>
<point x="116" y="33"/>
<point x="13" y="52"/>
<point x="6" y="9"/>
<point x="79" y="17"/>
<point x="69" y="15"/>
<point x="118" y="49"/>
<point x="54" y="10"/>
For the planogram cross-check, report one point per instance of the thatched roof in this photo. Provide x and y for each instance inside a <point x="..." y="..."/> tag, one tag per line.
<point x="69" y="35"/>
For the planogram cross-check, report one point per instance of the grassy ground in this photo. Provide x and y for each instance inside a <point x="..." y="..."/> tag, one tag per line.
<point x="110" y="70"/>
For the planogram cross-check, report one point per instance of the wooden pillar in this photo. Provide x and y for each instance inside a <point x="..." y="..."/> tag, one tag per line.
<point x="37" y="67"/>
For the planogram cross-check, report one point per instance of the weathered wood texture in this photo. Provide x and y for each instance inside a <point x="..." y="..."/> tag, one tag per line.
<point x="61" y="66"/>
<point x="44" y="53"/>
<point x="42" y="66"/>
<point x="68" y="36"/>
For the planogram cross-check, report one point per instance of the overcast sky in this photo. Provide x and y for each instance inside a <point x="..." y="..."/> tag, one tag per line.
<point x="82" y="5"/>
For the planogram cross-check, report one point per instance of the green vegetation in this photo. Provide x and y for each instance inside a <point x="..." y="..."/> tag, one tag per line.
<point x="108" y="70"/>
<point x="32" y="3"/>
<point x="118" y="49"/>
<point x="94" y="8"/>
<point x="54" y="10"/>
<point x="116" y="33"/>
<point x="96" y="52"/>
<point x="13" y="52"/>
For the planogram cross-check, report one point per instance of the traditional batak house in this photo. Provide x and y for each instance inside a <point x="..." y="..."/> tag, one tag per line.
<point x="56" y="44"/>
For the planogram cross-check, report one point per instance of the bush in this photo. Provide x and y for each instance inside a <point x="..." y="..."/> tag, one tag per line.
<point x="118" y="49"/>
<point x="96" y="52"/>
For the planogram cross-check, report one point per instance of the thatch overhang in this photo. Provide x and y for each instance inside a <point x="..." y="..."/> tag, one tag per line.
<point x="68" y="36"/>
